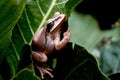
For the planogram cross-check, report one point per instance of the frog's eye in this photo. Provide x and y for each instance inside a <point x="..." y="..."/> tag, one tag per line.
<point x="49" y="26"/>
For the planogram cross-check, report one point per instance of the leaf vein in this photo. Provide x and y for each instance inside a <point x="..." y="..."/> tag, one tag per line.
<point x="21" y="33"/>
<point x="16" y="53"/>
<point x="63" y="2"/>
<point x="47" y="14"/>
<point x="37" y="2"/>
<point x="11" y="63"/>
<point x="28" y="21"/>
<point x="76" y="68"/>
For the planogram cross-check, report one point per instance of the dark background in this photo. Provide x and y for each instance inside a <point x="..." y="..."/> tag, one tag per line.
<point x="106" y="12"/>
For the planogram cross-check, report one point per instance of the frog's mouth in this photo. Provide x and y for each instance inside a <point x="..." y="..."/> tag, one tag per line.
<point x="58" y="21"/>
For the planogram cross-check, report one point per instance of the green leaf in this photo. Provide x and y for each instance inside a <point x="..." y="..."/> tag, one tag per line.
<point x="71" y="4"/>
<point x="10" y="13"/>
<point x="25" y="74"/>
<point x="110" y="57"/>
<point x="77" y="64"/>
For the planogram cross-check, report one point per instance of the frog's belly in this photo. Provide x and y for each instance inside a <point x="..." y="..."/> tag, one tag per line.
<point x="50" y="47"/>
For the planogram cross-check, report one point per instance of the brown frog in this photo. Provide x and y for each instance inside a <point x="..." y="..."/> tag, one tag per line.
<point x="48" y="39"/>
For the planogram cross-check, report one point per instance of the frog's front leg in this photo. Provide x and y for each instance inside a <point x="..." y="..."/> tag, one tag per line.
<point x="61" y="44"/>
<point x="41" y="57"/>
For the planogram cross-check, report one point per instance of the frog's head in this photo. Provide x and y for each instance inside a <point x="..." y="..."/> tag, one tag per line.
<point x="56" y="23"/>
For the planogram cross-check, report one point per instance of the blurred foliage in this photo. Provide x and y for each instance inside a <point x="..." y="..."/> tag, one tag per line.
<point x="85" y="31"/>
<point x="110" y="56"/>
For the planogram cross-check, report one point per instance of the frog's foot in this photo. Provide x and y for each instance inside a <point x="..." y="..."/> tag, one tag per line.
<point x="44" y="70"/>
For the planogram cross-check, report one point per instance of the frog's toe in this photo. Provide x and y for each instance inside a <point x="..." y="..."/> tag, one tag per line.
<point x="44" y="70"/>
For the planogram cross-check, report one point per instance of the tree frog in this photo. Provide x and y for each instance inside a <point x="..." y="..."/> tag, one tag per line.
<point x="48" y="39"/>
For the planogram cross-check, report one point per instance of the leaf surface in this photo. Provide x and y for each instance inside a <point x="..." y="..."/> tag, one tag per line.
<point x="25" y="74"/>
<point x="9" y="16"/>
<point x="77" y="64"/>
<point x="110" y="57"/>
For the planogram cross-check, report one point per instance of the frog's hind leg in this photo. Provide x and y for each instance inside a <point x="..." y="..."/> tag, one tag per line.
<point x="39" y="56"/>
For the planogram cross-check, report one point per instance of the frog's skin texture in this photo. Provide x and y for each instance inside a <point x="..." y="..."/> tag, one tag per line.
<point x="48" y="39"/>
